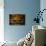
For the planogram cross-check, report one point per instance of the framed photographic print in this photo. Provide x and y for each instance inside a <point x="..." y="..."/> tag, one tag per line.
<point x="17" y="19"/>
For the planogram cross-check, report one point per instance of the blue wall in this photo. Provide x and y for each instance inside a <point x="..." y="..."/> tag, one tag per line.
<point x="43" y="6"/>
<point x="27" y="7"/>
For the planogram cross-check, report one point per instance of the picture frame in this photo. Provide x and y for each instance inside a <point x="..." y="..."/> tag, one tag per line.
<point x="17" y="19"/>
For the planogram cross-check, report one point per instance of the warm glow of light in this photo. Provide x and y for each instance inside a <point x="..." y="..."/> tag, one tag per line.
<point x="1" y="3"/>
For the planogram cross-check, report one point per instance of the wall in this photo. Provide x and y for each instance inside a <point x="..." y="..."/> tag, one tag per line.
<point x="1" y="21"/>
<point x="43" y="6"/>
<point x="28" y="7"/>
